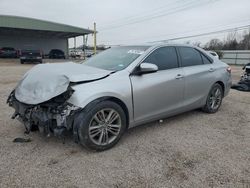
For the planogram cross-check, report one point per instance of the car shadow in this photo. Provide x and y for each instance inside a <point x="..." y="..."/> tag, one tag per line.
<point x="169" y="120"/>
<point x="67" y="143"/>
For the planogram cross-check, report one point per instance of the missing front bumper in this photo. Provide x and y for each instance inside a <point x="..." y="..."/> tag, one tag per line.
<point x="49" y="118"/>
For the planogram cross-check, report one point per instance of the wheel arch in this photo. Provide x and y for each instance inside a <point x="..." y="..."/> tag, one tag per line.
<point x="115" y="100"/>
<point x="222" y="85"/>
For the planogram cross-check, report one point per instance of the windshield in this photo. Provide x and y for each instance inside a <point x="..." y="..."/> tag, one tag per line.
<point x="8" y="48"/>
<point x="116" y="58"/>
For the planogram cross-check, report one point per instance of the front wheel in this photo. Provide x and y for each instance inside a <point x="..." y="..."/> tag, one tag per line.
<point x="102" y="125"/>
<point x="214" y="99"/>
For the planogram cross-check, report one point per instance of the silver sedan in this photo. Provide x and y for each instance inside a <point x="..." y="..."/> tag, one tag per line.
<point x="117" y="89"/>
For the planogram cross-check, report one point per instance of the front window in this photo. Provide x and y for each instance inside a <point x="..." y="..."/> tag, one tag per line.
<point x="117" y="58"/>
<point x="165" y="58"/>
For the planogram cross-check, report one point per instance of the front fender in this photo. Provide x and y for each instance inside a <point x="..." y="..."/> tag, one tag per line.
<point x="116" y="86"/>
<point x="82" y="99"/>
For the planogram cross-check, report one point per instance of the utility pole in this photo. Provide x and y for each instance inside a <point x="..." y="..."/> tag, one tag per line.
<point x="84" y="46"/>
<point x="75" y="43"/>
<point x="74" y="47"/>
<point x="94" y="38"/>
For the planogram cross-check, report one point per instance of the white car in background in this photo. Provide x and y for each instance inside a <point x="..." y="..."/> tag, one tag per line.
<point x="76" y="53"/>
<point x="213" y="53"/>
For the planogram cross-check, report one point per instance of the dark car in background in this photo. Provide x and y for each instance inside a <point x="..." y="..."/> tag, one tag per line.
<point x="31" y="56"/>
<point x="56" y="54"/>
<point x="8" y="52"/>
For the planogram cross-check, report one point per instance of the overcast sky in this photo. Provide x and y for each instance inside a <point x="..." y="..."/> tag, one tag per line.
<point x="137" y="21"/>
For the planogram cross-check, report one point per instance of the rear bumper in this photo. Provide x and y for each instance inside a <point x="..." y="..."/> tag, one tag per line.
<point x="31" y="59"/>
<point x="228" y="85"/>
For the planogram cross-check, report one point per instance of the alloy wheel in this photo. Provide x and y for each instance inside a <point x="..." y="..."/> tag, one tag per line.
<point x="105" y="126"/>
<point x="215" y="98"/>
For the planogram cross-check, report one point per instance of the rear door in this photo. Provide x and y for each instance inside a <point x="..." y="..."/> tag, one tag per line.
<point x="198" y="73"/>
<point x="160" y="93"/>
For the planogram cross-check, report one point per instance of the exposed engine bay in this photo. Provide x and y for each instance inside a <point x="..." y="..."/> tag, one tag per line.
<point x="244" y="83"/>
<point x="51" y="117"/>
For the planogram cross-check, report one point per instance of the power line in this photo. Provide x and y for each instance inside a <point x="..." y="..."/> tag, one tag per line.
<point x="197" y="30"/>
<point x="203" y="34"/>
<point x="155" y="16"/>
<point x="131" y="18"/>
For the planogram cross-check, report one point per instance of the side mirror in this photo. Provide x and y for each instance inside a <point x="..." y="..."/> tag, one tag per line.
<point x="145" y="68"/>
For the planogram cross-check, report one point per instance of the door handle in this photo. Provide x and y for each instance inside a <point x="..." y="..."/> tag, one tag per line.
<point x="179" y="76"/>
<point x="211" y="70"/>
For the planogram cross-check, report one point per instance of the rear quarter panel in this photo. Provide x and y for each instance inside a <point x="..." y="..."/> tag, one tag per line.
<point x="221" y="74"/>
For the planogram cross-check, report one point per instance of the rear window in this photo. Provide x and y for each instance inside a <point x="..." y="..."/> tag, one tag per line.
<point x="57" y="51"/>
<point x="31" y="52"/>
<point x="5" y="48"/>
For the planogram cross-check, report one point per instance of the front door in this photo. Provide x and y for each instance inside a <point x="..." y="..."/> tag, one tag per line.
<point x="158" y="94"/>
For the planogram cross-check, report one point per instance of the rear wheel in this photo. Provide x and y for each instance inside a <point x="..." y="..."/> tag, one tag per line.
<point x="214" y="99"/>
<point x="22" y="61"/>
<point x="102" y="126"/>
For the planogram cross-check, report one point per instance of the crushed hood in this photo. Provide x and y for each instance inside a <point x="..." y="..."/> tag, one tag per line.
<point x="45" y="81"/>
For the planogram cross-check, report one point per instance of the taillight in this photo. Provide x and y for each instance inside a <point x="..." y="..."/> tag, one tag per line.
<point x="229" y="70"/>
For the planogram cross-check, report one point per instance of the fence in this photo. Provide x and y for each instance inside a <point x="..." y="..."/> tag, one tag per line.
<point x="236" y="57"/>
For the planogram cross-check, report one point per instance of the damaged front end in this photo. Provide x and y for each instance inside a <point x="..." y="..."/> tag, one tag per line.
<point x="54" y="116"/>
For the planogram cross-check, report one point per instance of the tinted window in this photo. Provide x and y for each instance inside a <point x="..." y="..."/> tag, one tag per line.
<point x="190" y="57"/>
<point x="205" y="59"/>
<point x="164" y="58"/>
<point x="5" y="48"/>
<point x="57" y="51"/>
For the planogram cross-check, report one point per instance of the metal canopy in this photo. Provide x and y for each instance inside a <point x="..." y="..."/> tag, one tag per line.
<point x="28" y="26"/>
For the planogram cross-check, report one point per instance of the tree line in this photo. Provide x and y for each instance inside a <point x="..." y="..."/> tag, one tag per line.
<point x="233" y="41"/>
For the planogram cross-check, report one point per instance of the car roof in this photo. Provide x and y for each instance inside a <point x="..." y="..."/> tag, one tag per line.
<point x="157" y="45"/>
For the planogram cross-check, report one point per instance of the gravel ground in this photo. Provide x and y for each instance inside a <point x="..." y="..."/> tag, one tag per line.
<point x="193" y="149"/>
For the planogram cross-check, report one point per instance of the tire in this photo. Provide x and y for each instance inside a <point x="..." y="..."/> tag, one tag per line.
<point x="92" y="130"/>
<point x="21" y="61"/>
<point x="214" y="99"/>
